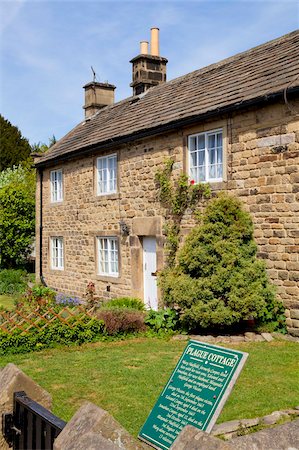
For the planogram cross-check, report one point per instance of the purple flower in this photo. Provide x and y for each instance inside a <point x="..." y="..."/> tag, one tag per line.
<point x="63" y="299"/>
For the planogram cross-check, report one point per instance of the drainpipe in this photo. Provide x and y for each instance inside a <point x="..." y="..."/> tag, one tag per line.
<point x="40" y="170"/>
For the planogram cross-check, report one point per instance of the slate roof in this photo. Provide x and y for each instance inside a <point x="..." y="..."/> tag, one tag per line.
<point x="264" y="71"/>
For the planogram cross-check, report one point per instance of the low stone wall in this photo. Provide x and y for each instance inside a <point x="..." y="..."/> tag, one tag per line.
<point x="282" y="437"/>
<point x="248" y="336"/>
<point x="235" y="428"/>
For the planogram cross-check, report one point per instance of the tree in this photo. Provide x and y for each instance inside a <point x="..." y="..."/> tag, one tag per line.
<point x="17" y="215"/>
<point x="14" y="148"/>
<point x="217" y="279"/>
<point x="41" y="147"/>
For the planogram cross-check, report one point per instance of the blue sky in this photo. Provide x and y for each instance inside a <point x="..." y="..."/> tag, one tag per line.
<point x="47" y="48"/>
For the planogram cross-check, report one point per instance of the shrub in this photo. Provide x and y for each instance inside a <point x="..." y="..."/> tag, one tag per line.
<point x="217" y="280"/>
<point x="13" y="281"/>
<point x="88" y="330"/>
<point x="38" y="296"/>
<point x="125" y="302"/>
<point x="122" y="320"/>
<point x="163" y="320"/>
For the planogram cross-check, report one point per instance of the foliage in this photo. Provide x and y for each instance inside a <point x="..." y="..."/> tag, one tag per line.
<point x="14" y="148"/>
<point x="66" y="300"/>
<point x="91" y="298"/>
<point x="17" y="215"/>
<point x="162" y="320"/>
<point x="13" y="281"/>
<point x="87" y="330"/>
<point x="122" y="320"/>
<point x="41" y="147"/>
<point x="36" y="297"/>
<point x="218" y="281"/>
<point x="177" y="196"/>
<point x="125" y="302"/>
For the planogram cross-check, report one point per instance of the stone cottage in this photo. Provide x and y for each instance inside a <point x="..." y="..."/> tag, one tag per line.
<point x="233" y="124"/>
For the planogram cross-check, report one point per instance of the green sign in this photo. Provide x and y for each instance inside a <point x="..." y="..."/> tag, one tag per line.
<point x="195" y="393"/>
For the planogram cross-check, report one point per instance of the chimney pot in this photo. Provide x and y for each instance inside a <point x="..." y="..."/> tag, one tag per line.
<point x="155" y="41"/>
<point x="144" y="47"/>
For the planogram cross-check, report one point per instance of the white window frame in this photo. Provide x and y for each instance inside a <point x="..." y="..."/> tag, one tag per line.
<point x="104" y="186"/>
<point x="108" y="256"/>
<point x="57" y="253"/>
<point x="206" y="150"/>
<point x="56" y="185"/>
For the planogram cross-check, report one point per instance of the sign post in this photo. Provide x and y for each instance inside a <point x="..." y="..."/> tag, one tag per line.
<point x="194" y="394"/>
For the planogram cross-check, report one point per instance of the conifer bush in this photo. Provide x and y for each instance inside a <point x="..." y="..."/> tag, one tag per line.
<point x="217" y="279"/>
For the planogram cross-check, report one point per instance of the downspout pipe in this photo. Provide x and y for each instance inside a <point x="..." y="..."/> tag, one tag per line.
<point x="41" y="277"/>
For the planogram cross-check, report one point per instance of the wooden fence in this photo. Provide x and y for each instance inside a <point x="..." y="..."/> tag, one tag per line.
<point x="39" y="319"/>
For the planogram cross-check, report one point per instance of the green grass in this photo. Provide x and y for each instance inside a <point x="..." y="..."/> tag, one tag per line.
<point x="126" y="377"/>
<point x="7" y="301"/>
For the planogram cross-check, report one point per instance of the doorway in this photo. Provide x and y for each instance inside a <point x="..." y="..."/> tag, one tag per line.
<point x="150" y="272"/>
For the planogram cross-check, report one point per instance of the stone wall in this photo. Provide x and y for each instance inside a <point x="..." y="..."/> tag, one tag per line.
<point x="261" y="168"/>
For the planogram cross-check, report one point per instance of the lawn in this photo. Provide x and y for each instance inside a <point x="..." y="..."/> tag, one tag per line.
<point x="126" y="377"/>
<point x="7" y="301"/>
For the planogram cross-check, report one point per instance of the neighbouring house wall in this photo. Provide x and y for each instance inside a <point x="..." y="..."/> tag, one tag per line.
<point x="262" y="169"/>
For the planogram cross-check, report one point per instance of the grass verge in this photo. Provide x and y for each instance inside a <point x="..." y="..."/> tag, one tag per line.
<point x="7" y="301"/>
<point x="126" y="377"/>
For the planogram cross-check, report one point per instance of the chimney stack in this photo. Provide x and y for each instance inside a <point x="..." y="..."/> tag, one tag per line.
<point x="148" y="69"/>
<point x="97" y="96"/>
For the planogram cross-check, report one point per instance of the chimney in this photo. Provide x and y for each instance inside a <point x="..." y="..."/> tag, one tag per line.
<point x="144" y="47"/>
<point x="97" y="96"/>
<point x="155" y="41"/>
<point x="148" y="69"/>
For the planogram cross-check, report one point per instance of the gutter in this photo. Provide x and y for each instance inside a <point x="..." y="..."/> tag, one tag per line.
<point x="41" y="277"/>
<point x="271" y="98"/>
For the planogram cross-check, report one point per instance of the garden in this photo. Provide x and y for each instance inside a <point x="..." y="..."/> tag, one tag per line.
<point x="213" y="282"/>
<point x="125" y="377"/>
<point x="119" y="355"/>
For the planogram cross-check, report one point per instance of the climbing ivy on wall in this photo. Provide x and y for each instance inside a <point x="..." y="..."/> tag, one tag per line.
<point x="177" y="195"/>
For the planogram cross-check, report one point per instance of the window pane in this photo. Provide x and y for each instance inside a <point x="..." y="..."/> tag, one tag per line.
<point x="219" y="171"/>
<point x="201" y="174"/>
<point x="219" y="156"/>
<point x="192" y="143"/>
<point x="211" y="140"/>
<point x="219" y="140"/>
<point x="201" y="158"/>
<point x="212" y="172"/>
<point x="212" y="156"/>
<point x="193" y="161"/>
<point x="201" y="141"/>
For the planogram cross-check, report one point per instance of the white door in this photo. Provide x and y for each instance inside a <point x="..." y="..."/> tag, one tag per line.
<point x="149" y="273"/>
